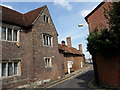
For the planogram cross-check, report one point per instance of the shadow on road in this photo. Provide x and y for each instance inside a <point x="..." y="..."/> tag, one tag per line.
<point x="85" y="78"/>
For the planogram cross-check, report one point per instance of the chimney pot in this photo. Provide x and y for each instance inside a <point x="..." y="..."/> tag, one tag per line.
<point x="63" y="43"/>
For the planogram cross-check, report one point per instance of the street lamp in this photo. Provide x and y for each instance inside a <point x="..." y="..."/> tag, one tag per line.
<point x="80" y="25"/>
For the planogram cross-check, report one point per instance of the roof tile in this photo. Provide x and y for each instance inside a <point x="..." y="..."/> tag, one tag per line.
<point x="70" y="50"/>
<point x="14" y="17"/>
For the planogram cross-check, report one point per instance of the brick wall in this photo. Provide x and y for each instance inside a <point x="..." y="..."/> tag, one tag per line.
<point x="97" y="19"/>
<point x="108" y="71"/>
<point x="31" y="53"/>
<point x="10" y="51"/>
<point x="76" y="59"/>
<point x="41" y="51"/>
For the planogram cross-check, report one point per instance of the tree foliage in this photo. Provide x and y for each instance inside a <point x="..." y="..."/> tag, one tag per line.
<point x="107" y="41"/>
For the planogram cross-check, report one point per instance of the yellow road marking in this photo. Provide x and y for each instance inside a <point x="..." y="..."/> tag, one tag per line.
<point x="68" y="78"/>
<point x="90" y="83"/>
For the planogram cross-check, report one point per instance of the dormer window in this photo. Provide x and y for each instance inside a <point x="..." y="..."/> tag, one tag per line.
<point x="46" y="19"/>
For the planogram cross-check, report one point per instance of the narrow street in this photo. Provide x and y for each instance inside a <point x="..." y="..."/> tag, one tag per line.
<point x="80" y="81"/>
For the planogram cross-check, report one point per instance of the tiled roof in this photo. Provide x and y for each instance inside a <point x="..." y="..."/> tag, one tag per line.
<point x="70" y="50"/>
<point x="14" y="17"/>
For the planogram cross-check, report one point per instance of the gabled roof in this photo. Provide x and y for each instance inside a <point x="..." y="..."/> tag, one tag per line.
<point x="94" y="10"/>
<point x="14" y="17"/>
<point x="69" y="50"/>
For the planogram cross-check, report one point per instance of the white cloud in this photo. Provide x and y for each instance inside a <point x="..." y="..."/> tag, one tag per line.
<point x="84" y="13"/>
<point x="63" y="3"/>
<point x="78" y="36"/>
<point x="6" y="6"/>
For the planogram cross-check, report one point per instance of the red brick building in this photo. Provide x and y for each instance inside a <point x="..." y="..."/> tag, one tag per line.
<point x="73" y="58"/>
<point x="28" y="48"/>
<point x="107" y="72"/>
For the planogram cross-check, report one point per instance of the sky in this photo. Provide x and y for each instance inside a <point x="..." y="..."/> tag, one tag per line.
<point x="66" y="17"/>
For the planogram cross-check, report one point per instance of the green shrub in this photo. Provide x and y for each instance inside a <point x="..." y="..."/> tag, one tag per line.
<point x="107" y="42"/>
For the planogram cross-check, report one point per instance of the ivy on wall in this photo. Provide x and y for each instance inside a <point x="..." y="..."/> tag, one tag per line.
<point x="107" y="41"/>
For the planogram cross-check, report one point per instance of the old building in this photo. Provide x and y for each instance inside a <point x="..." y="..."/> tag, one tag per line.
<point x="107" y="72"/>
<point x="29" y="48"/>
<point x="73" y="58"/>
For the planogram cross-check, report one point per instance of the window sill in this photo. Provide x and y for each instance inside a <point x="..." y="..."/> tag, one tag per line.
<point x="47" y="46"/>
<point x="10" y="41"/>
<point x="48" y="67"/>
<point x="5" y="77"/>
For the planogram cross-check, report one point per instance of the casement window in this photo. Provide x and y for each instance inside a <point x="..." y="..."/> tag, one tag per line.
<point x="8" y="34"/>
<point x="46" y="19"/>
<point x="48" y="62"/>
<point x="47" y="40"/>
<point x="15" y="35"/>
<point x="10" y="68"/>
<point x="3" y="33"/>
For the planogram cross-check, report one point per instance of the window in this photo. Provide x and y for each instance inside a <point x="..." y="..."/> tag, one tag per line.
<point x="3" y="32"/>
<point x="47" y="40"/>
<point x="15" y="68"/>
<point x="46" y="19"/>
<point x="10" y="68"/>
<point x="9" y="34"/>
<point x="3" y="69"/>
<point x="48" y="62"/>
<point x="15" y="35"/>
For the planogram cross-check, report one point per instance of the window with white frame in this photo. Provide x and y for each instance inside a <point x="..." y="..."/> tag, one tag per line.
<point x="46" y="19"/>
<point x="10" y="68"/>
<point x="48" y="62"/>
<point x="9" y="34"/>
<point x="47" y="40"/>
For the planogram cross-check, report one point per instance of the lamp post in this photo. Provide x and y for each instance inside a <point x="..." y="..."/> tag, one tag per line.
<point x="80" y="25"/>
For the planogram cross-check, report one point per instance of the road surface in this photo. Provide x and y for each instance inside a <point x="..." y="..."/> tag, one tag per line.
<point x="80" y="81"/>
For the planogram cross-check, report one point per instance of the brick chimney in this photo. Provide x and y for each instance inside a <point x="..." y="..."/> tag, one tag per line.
<point x="68" y="39"/>
<point x="63" y="43"/>
<point x="80" y="48"/>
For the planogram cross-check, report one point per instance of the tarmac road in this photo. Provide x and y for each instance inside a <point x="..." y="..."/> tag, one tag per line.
<point x="82" y="80"/>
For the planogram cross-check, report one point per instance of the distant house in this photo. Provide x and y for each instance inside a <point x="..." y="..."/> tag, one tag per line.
<point x="28" y="48"/>
<point x="73" y="58"/>
<point x="107" y="71"/>
<point x="89" y="60"/>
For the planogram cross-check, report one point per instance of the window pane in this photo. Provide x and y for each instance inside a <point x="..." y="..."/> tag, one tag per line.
<point x="15" y="68"/>
<point x="3" y="33"/>
<point x="15" y="35"/>
<point x="9" y="37"/>
<point x="3" y="69"/>
<point x="44" y="40"/>
<point x="48" y="62"/>
<point x="45" y="61"/>
<point x="47" y="19"/>
<point x="10" y="69"/>
<point x="44" y="17"/>
<point x="47" y="39"/>
<point x="50" y="41"/>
